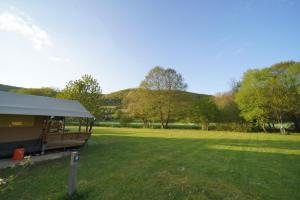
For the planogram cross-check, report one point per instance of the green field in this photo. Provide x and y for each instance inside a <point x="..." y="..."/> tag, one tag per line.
<point x="172" y="164"/>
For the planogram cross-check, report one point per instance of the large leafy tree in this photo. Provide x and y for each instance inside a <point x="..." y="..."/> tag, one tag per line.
<point x="271" y="94"/>
<point x="86" y="90"/>
<point x="252" y="97"/>
<point x="163" y="86"/>
<point x="283" y="87"/>
<point x="139" y="106"/>
<point x="203" y="111"/>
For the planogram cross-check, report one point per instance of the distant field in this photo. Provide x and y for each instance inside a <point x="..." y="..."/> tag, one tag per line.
<point x="156" y="125"/>
<point x="142" y="164"/>
<point x="152" y="125"/>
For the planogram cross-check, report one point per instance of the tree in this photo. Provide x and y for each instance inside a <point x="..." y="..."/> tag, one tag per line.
<point x="139" y="106"/>
<point x="252" y="98"/>
<point x="271" y="94"/>
<point x="162" y="86"/>
<point x="204" y="111"/>
<point x="87" y="91"/>
<point x="228" y="109"/>
<point x="283" y="86"/>
<point x="123" y="117"/>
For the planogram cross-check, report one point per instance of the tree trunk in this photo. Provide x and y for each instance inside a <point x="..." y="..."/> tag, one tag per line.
<point x="282" y="130"/>
<point x="161" y="118"/>
<point x="264" y="127"/>
<point x="164" y="125"/>
<point x="273" y="126"/>
<point x="204" y="126"/>
<point x="145" y="123"/>
<point x="167" y="124"/>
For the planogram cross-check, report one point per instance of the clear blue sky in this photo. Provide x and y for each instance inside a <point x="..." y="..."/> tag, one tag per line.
<point x="47" y="43"/>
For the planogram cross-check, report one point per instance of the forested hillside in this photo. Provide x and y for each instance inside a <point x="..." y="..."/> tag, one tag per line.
<point x="8" y="87"/>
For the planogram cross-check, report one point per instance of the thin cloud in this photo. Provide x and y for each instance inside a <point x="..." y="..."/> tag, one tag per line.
<point x="17" y="22"/>
<point x="59" y="59"/>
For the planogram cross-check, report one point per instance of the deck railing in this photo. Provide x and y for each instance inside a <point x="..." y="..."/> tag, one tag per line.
<point x="64" y="140"/>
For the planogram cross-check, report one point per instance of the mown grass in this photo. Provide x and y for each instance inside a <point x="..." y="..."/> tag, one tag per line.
<point x="172" y="164"/>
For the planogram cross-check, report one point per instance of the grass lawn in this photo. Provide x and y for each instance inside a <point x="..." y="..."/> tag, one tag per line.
<point x="172" y="164"/>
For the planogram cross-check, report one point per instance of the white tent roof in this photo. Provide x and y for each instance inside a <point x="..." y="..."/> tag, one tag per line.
<point x="22" y="104"/>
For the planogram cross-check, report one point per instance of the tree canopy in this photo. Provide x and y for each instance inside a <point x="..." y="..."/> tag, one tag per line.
<point x="203" y="110"/>
<point x="87" y="91"/>
<point x="162" y="86"/>
<point x="271" y="94"/>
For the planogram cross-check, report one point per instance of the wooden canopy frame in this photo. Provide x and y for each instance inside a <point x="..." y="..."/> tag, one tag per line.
<point x="54" y="137"/>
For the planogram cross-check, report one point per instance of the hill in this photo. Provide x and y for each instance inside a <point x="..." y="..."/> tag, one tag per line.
<point x="113" y="102"/>
<point x="8" y="87"/>
<point x="116" y="98"/>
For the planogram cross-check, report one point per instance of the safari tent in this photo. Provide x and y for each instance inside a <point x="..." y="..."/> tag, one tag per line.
<point x="37" y="123"/>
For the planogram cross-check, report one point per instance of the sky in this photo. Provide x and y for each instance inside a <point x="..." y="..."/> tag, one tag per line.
<point x="50" y="42"/>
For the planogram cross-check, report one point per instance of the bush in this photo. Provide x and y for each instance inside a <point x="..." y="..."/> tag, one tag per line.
<point x="238" y="127"/>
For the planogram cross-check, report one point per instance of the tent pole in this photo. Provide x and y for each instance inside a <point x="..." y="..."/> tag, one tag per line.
<point x="87" y="125"/>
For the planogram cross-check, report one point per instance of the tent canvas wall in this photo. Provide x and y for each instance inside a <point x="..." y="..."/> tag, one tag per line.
<point x="25" y="120"/>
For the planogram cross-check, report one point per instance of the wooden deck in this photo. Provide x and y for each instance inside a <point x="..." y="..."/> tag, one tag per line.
<point x="64" y="140"/>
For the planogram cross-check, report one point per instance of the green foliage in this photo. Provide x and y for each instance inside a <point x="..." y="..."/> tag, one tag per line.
<point x="151" y="125"/>
<point x="252" y="97"/>
<point x="123" y="118"/>
<point x="116" y="99"/>
<point x="44" y="91"/>
<point x="204" y="111"/>
<point x="87" y="91"/>
<point x="236" y="126"/>
<point x="162" y="86"/>
<point x="139" y="106"/>
<point x="270" y="94"/>
<point x="228" y="109"/>
<point x="159" y="79"/>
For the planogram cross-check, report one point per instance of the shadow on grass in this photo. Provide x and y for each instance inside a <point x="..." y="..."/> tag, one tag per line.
<point x="129" y="166"/>
<point x="247" y="144"/>
<point x="78" y="195"/>
<point x="254" y="148"/>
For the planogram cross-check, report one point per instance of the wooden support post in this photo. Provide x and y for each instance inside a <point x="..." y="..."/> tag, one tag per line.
<point x="87" y="125"/>
<point x="79" y="129"/>
<point x="73" y="173"/>
<point x="44" y="136"/>
<point x="64" y="125"/>
<point x="91" y="125"/>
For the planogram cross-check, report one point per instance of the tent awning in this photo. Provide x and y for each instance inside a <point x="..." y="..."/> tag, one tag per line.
<point x="23" y="104"/>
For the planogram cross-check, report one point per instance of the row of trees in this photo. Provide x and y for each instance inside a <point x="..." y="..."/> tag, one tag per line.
<point x="263" y="98"/>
